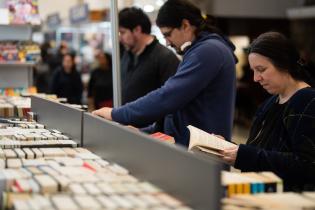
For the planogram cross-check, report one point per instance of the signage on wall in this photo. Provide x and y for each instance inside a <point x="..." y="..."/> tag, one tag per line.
<point x="53" y="20"/>
<point x="79" y="14"/>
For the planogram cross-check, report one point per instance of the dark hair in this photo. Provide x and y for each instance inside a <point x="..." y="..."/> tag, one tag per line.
<point x="72" y="56"/>
<point x="44" y="52"/>
<point x="172" y="13"/>
<point x="283" y="54"/>
<point x="108" y="57"/>
<point x="132" y="17"/>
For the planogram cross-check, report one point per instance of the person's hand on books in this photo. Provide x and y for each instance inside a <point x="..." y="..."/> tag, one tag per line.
<point x="105" y="112"/>
<point x="229" y="155"/>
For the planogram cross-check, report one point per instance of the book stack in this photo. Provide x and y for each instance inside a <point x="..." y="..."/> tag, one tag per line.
<point x="19" y="52"/>
<point x="271" y="201"/>
<point x="14" y="106"/>
<point x="17" y="133"/>
<point x="74" y="178"/>
<point x="250" y="183"/>
<point x="43" y="168"/>
<point x="9" y="92"/>
<point x="78" y="106"/>
<point x="163" y="137"/>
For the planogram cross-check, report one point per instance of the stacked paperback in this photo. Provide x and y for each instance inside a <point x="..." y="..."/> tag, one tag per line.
<point x="14" y="106"/>
<point x="250" y="183"/>
<point x="271" y="201"/>
<point x="42" y="168"/>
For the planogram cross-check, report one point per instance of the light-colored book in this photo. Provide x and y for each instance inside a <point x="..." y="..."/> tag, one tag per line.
<point x="206" y="142"/>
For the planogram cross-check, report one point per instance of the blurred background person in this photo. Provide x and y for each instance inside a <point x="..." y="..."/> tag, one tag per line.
<point x="57" y="57"/>
<point x="100" y="87"/>
<point x="42" y="69"/>
<point x="66" y="81"/>
<point x="145" y="63"/>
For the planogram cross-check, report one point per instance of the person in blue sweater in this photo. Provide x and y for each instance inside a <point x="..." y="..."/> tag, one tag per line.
<point x="202" y="91"/>
<point x="282" y="137"/>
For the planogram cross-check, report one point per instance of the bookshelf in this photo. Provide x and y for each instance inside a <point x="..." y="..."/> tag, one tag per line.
<point x="16" y="74"/>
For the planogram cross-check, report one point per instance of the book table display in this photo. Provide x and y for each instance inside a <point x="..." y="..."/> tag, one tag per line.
<point x="14" y="106"/>
<point x="69" y="159"/>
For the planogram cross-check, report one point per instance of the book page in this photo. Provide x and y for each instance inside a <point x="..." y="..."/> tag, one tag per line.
<point x="203" y="149"/>
<point x="203" y="139"/>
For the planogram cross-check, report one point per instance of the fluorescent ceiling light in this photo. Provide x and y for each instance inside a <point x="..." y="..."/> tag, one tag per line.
<point x="148" y="8"/>
<point x="159" y="3"/>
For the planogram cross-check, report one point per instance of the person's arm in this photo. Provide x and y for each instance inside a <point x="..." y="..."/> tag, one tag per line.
<point x="149" y="129"/>
<point x="179" y="90"/>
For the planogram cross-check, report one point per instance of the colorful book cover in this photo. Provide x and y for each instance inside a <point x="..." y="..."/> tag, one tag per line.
<point x="163" y="137"/>
<point x="23" y="12"/>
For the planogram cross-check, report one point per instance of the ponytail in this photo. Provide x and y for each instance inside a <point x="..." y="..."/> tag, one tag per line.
<point x="306" y="72"/>
<point x="208" y="23"/>
<point x="173" y="12"/>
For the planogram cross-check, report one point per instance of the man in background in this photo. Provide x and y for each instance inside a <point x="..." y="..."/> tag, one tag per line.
<point x="145" y="63"/>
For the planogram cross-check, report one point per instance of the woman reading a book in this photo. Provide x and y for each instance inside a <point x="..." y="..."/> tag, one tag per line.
<point x="282" y="137"/>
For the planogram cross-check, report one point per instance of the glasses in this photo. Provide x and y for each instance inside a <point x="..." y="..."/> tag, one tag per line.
<point x="168" y="33"/>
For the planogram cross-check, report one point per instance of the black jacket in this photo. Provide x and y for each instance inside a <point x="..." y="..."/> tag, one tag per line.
<point x="67" y="85"/>
<point x="101" y="86"/>
<point x="290" y="152"/>
<point x="146" y="72"/>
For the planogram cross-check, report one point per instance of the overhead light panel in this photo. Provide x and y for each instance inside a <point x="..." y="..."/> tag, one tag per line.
<point x="148" y="8"/>
<point x="159" y="3"/>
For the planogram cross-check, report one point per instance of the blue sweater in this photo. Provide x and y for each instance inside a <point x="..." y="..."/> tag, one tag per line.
<point x="201" y="93"/>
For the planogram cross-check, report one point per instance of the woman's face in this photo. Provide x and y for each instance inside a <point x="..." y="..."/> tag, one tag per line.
<point x="67" y="63"/>
<point x="267" y="75"/>
<point x="102" y="60"/>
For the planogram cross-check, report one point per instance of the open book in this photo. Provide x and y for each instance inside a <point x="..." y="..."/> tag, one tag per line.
<point x="206" y="142"/>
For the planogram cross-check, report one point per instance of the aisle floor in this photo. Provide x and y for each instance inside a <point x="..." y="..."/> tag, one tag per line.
<point x="240" y="134"/>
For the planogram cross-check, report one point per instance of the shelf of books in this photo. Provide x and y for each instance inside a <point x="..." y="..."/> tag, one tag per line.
<point x="175" y="172"/>
<point x="18" y="54"/>
<point x="264" y="190"/>
<point x="17" y="63"/>
<point x="45" y="165"/>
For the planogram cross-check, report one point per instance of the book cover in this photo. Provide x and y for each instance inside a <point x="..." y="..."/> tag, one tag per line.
<point x="163" y="137"/>
<point x="23" y="11"/>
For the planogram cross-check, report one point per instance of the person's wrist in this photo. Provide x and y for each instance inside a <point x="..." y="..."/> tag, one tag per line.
<point x="110" y="114"/>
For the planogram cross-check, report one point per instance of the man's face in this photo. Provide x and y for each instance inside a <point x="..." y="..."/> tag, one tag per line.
<point x="174" y="37"/>
<point x="127" y="38"/>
